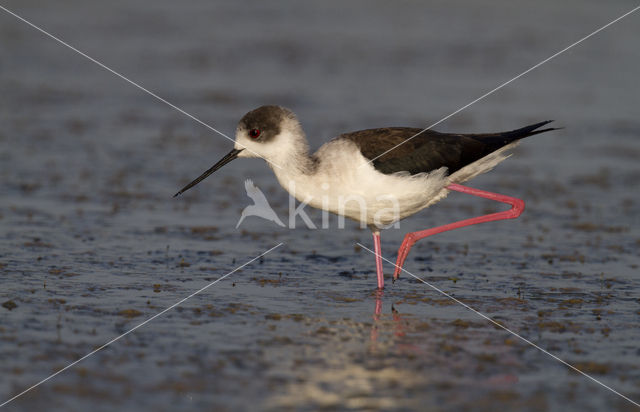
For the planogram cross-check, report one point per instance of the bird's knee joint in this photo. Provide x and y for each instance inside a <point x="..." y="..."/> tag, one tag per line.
<point x="517" y="207"/>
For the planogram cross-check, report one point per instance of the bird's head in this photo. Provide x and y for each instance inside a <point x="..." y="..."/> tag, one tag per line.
<point x="269" y="132"/>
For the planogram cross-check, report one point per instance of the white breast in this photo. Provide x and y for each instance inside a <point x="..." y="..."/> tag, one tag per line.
<point x="346" y="183"/>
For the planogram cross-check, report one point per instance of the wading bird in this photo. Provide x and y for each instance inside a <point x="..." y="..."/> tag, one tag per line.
<point x="375" y="176"/>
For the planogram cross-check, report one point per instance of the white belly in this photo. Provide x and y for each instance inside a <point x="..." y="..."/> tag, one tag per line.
<point x="345" y="183"/>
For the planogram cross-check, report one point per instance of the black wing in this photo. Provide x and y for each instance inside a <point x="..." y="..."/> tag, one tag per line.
<point x="418" y="152"/>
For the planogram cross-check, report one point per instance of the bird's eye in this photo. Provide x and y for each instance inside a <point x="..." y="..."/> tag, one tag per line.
<point x="254" y="133"/>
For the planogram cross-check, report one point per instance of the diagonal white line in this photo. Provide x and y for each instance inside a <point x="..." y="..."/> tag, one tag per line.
<point x="503" y="327"/>
<point x="136" y="327"/>
<point x="509" y="81"/>
<point x="41" y="30"/>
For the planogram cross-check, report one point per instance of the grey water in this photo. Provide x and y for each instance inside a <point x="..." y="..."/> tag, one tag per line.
<point x="92" y="243"/>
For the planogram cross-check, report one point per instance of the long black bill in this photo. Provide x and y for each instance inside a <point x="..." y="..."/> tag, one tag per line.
<point x="229" y="157"/>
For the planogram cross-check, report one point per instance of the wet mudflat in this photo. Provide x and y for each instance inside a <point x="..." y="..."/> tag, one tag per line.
<point x="92" y="244"/>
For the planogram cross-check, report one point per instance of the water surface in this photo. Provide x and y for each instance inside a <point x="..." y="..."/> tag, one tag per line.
<point x="92" y="243"/>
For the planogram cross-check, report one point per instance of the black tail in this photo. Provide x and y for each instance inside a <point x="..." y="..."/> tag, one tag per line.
<point x="528" y="131"/>
<point x="496" y="140"/>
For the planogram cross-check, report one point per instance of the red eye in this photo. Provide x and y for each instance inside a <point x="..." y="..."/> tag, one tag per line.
<point x="254" y="133"/>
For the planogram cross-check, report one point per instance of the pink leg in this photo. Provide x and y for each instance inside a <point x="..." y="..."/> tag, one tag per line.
<point x="378" y="249"/>
<point x="517" y="207"/>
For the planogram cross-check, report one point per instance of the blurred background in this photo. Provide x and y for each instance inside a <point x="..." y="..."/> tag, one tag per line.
<point x="92" y="242"/>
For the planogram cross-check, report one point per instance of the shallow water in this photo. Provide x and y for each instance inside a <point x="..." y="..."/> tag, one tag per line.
<point x="92" y="243"/>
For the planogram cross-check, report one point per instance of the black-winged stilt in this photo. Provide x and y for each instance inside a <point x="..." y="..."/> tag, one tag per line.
<point x="375" y="176"/>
